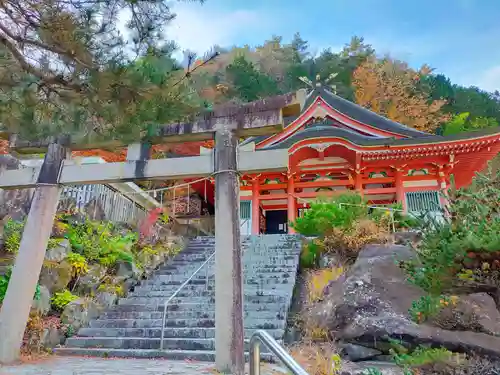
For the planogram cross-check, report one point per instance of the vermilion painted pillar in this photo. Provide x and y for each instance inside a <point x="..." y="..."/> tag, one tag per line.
<point x="400" y="193"/>
<point x="292" y="204"/>
<point x="443" y="187"/>
<point x="255" y="207"/>
<point x="358" y="183"/>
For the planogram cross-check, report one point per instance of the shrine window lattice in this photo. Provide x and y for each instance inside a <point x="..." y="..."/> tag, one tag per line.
<point x="423" y="201"/>
<point x="245" y="210"/>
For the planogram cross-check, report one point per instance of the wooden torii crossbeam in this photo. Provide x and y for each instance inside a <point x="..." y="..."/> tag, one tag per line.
<point x="228" y="122"/>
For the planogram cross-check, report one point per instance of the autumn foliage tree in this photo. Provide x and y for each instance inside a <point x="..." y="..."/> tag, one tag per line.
<point x="391" y="88"/>
<point x="95" y="68"/>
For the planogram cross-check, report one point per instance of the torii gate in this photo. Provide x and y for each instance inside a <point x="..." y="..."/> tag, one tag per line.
<point x="228" y="122"/>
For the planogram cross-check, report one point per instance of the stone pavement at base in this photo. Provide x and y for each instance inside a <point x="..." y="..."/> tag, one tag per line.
<point x="118" y="366"/>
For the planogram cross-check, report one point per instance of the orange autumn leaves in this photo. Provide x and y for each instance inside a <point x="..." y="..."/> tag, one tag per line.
<point x="4" y="147"/>
<point x="391" y="89"/>
<point x="189" y="148"/>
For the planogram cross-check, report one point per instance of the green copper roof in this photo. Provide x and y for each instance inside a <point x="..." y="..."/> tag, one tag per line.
<point x="361" y="114"/>
<point x="321" y="130"/>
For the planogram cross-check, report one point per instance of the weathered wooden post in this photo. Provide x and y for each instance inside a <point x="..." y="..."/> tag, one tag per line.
<point x="19" y="297"/>
<point x="229" y="333"/>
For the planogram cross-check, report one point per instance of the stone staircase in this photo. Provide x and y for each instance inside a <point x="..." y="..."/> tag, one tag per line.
<point x="133" y="327"/>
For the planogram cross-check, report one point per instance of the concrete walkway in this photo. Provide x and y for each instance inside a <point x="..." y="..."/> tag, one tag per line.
<point x="98" y="366"/>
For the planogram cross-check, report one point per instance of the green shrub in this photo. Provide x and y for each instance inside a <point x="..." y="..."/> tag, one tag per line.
<point x="341" y="211"/>
<point x="400" y="219"/>
<point x="422" y="356"/>
<point x="311" y="254"/>
<point x="472" y="231"/>
<point x="99" y="242"/>
<point x="13" y="231"/>
<point x="112" y="256"/>
<point x="61" y="299"/>
<point x="111" y="288"/>
<point x="427" y="307"/>
<point x="4" y="283"/>
<point x="78" y="264"/>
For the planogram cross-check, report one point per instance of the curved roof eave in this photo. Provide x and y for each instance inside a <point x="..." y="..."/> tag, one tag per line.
<point x="361" y="140"/>
<point x="362" y="114"/>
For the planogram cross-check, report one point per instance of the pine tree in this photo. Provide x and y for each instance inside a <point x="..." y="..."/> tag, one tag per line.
<point x="69" y="66"/>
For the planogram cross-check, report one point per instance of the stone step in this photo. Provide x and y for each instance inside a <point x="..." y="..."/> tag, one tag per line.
<point x="144" y="343"/>
<point x="268" y="284"/>
<point x="256" y="274"/>
<point x="186" y="314"/>
<point x="211" y="281"/>
<point x="207" y="300"/>
<point x="187" y="260"/>
<point x="253" y="323"/>
<point x="204" y="333"/>
<point x="174" y="355"/>
<point x="208" y="290"/>
<point x="182" y="264"/>
<point x="194" y="306"/>
<point x="203" y="291"/>
<point x="253" y="264"/>
<point x="181" y="278"/>
<point x="196" y="251"/>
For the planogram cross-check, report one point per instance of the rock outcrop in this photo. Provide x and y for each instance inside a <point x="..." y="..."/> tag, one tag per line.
<point x="370" y="305"/>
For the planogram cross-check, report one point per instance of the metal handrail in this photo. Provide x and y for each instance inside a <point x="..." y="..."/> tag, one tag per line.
<point x="177" y="292"/>
<point x="261" y="336"/>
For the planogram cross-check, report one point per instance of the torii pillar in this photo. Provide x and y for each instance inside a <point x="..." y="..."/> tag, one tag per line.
<point x="29" y="261"/>
<point x="229" y="332"/>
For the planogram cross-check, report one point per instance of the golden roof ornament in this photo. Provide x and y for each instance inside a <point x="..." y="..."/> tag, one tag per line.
<point x="318" y="82"/>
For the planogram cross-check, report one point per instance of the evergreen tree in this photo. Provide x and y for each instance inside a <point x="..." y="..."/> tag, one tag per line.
<point x="250" y="84"/>
<point x="65" y="66"/>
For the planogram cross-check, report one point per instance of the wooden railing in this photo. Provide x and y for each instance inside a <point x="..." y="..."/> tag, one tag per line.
<point x="116" y="206"/>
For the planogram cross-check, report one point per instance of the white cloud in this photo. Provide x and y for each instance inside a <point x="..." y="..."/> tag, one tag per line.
<point x="199" y="27"/>
<point x="490" y="79"/>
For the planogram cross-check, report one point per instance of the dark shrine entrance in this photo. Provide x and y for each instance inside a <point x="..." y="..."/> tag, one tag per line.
<point x="276" y="222"/>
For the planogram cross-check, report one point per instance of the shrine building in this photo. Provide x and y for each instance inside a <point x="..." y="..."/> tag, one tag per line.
<point x="335" y="145"/>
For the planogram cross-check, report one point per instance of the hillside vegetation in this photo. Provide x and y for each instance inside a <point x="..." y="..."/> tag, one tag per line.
<point x="415" y="97"/>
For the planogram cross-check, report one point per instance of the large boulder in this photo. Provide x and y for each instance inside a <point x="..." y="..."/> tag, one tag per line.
<point x="57" y="277"/>
<point x="475" y="312"/>
<point x="42" y="304"/>
<point x="89" y="283"/>
<point x="59" y="252"/>
<point x="80" y="312"/>
<point x="127" y="270"/>
<point x="52" y="337"/>
<point x="150" y="261"/>
<point x="370" y="304"/>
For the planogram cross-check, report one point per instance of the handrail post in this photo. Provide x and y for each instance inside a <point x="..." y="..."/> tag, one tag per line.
<point x="254" y="357"/>
<point x="261" y="336"/>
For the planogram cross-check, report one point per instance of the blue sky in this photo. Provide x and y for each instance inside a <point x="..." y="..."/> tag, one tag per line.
<point x="460" y="38"/>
